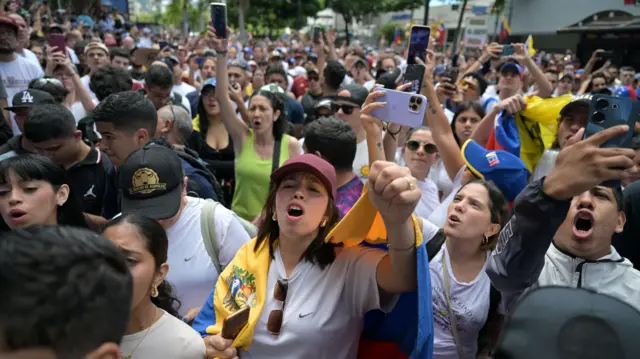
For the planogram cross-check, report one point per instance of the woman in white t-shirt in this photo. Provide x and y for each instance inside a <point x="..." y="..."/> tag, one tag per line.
<point x="154" y="331"/>
<point x="460" y="286"/>
<point x="307" y="295"/>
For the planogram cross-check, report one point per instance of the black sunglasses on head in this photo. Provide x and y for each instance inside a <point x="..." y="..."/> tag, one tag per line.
<point x="429" y="148"/>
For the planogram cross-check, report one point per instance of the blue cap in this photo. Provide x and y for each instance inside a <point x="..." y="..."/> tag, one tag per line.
<point x="512" y="66"/>
<point x="209" y="83"/>
<point x="507" y="171"/>
<point x="247" y="50"/>
<point x="238" y="63"/>
<point x="623" y="92"/>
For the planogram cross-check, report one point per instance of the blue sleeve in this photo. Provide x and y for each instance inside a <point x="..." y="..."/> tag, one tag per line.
<point x="295" y="111"/>
<point x="206" y="317"/>
<point x="193" y="98"/>
<point x="110" y="203"/>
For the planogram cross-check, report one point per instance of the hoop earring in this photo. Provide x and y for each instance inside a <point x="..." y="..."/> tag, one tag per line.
<point x="485" y="240"/>
<point x="273" y="217"/>
<point x="154" y="292"/>
<point x="323" y="224"/>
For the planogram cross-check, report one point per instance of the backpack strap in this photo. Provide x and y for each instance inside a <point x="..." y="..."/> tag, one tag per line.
<point x="434" y="245"/>
<point x="208" y="230"/>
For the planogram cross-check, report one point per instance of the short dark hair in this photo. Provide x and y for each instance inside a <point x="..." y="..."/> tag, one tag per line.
<point x="334" y="139"/>
<point x="47" y="122"/>
<point x="334" y="74"/>
<point x="128" y="111"/>
<point x="57" y="283"/>
<point x="120" y="52"/>
<point x="159" y="76"/>
<point x="482" y="83"/>
<point x="109" y="80"/>
<point x="627" y="68"/>
<point x="275" y="70"/>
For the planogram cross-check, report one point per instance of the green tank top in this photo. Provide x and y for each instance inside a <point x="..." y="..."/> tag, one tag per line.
<point x="252" y="178"/>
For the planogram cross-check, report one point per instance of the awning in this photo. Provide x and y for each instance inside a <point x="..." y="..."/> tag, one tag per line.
<point x="605" y="21"/>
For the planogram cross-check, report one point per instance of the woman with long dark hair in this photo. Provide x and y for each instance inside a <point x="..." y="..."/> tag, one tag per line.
<point x="308" y="295"/>
<point x="154" y="328"/>
<point x="34" y="190"/>
<point x="257" y="144"/>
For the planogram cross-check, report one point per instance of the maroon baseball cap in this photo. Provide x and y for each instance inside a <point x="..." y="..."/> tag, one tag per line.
<point x="312" y="164"/>
<point x="4" y="19"/>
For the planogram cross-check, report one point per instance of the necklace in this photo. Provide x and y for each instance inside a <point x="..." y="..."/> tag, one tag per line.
<point x="146" y="332"/>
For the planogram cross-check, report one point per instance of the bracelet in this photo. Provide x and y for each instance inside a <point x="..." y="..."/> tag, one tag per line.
<point x="394" y="133"/>
<point x="222" y="52"/>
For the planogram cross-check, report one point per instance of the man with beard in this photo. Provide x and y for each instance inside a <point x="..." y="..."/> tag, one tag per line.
<point x="16" y="71"/>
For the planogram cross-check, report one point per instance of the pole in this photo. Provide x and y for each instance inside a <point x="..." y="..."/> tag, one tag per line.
<point x="510" y="14"/>
<point x="455" y="40"/>
<point x="299" y="15"/>
<point x="425" y="20"/>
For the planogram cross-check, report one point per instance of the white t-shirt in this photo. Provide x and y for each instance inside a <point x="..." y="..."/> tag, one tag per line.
<point x="361" y="161"/>
<point x="325" y="308"/>
<point x="85" y="81"/>
<point x="439" y="215"/>
<point x="183" y="89"/>
<point x="429" y="199"/>
<point x="78" y="111"/>
<point x="470" y="302"/>
<point x="191" y="272"/>
<point x="438" y="174"/>
<point x="16" y="76"/>
<point x="29" y="55"/>
<point x="168" y="337"/>
<point x="185" y="103"/>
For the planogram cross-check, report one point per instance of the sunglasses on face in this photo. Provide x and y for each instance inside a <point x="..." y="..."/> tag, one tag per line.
<point x="469" y="85"/>
<point x="429" y="148"/>
<point x="347" y="109"/>
<point x="314" y="78"/>
<point x="274" y="324"/>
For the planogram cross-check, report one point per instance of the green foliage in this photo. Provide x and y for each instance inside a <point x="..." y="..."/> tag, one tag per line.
<point x="147" y="18"/>
<point x="270" y="17"/>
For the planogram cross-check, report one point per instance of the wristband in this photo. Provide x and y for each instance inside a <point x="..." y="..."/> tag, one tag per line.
<point x="222" y="52"/>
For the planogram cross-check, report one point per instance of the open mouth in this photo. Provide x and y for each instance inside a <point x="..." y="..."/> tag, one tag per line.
<point x="17" y="214"/>
<point x="294" y="211"/>
<point x="454" y="219"/>
<point x="583" y="225"/>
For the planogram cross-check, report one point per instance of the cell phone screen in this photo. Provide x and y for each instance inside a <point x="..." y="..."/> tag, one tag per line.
<point x="317" y="35"/>
<point x="56" y="41"/>
<point x="418" y="42"/>
<point x="219" y="18"/>
<point x="507" y="50"/>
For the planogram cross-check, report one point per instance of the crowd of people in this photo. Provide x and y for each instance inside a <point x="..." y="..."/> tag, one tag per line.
<point x="153" y="185"/>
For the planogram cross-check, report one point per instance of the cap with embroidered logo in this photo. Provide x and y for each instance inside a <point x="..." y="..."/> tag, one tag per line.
<point x="150" y="182"/>
<point x="30" y="98"/>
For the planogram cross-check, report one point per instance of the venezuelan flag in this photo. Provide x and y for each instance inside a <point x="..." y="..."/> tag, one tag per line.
<point x="396" y="38"/>
<point x="442" y="34"/>
<point x="528" y="133"/>
<point x="505" y="29"/>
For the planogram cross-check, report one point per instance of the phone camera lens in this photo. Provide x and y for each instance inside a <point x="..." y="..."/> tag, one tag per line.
<point x="598" y="117"/>
<point x="418" y="100"/>
<point x="601" y="104"/>
<point x="614" y="106"/>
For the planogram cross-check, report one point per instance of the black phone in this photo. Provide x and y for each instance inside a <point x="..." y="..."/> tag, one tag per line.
<point x="451" y="74"/>
<point x="317" y="34"/>
<point x="219" y="18"/>
<point x="609" y="111"/>
<point x="418" y="43"/>
<point x="414" y="74"/>
<point x="507" y="50"/>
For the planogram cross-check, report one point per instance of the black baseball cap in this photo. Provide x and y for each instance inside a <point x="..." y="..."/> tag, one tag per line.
<point x="150" y="182"/>
<point x="358" y="94"/>
<point x="30" y="98"/>
<point x="570" y="323"/>
<point x="580" y="101"/>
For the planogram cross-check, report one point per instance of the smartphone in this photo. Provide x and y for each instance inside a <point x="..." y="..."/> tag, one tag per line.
<point x="414" y="74"/>
<point x="317" y="34"/>
<point x="507" y="50"/>
<point x="56" y="41"/>
<point x="608" y="111"/>
<point x="233" y="324"/>
<point x="451" y="74"/>
<point x="418" y="43"/>
<point x="219" y="18"/>
<point x="402" y="108"/>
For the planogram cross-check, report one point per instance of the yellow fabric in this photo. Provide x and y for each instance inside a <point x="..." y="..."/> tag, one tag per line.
<point x="196" y="123"/>
<point x="244" y="280"/>
<point x="545" y="113"/>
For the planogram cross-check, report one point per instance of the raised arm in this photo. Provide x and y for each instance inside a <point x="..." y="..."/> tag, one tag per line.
<point x="237" y="128"/>
<point x="545" y="88"/>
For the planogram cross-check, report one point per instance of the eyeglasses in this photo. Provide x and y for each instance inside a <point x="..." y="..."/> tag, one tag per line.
<point x="429" y="148"/>
<point x="314" y="78"/>
<point x="469" y="85"/>
<point x="347" y="109"/>
<point x="274" y="324"/>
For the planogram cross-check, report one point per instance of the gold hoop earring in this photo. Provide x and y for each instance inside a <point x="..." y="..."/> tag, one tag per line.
<point x="323" y="224"/>
<point x="273" y="217"/>
<point x="154" y="292"/>
<point x="485" y="240"/>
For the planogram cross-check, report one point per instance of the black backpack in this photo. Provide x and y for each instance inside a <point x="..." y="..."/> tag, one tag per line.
<point x="208" y="174"/>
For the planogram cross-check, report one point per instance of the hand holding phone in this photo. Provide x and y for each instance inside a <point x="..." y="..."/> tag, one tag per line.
<point x="233" y="324"/>
<point x="400" y="107"/>
<point x="317" y="35"/>
<point x="57" y="43"/>
<point x="507" y="50"/>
